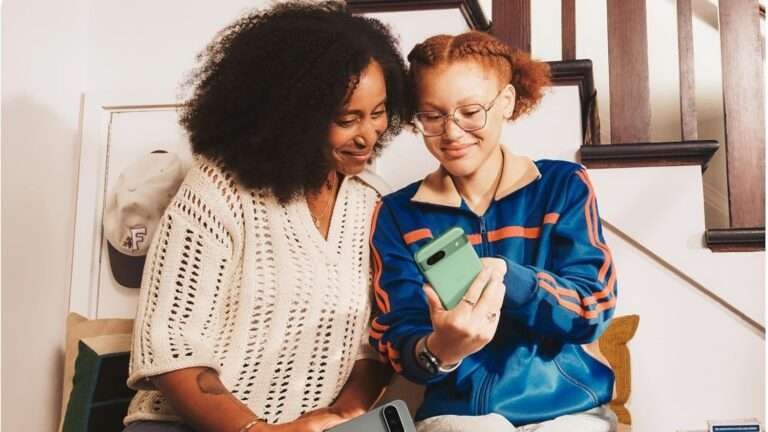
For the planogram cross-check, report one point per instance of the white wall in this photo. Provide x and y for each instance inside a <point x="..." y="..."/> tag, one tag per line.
<point x="43" y="76"/>
<point x="140" y="51"/>
<point x="692" y="360"/>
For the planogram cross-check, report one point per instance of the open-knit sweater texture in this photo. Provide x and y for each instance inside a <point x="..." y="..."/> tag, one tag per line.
<point x="240" y="283"/>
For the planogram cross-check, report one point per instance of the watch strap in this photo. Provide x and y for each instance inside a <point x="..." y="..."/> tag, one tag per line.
<point x="429" y="361"/>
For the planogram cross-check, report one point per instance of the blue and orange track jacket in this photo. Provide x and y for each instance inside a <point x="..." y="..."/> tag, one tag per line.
<point x="560" y="292"/>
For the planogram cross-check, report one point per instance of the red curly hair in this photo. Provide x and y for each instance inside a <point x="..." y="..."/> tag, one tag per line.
<point x="528" y="76"/>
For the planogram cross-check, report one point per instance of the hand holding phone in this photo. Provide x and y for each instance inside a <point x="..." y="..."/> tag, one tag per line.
<point x="450" y="264"/>
<point x="465" y="296"/>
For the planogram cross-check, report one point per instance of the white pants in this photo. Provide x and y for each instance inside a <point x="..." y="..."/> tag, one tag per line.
<point x="600" y="419"/>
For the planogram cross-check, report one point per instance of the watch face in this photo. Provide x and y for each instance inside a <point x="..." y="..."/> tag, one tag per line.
<point x="427" y="361"/>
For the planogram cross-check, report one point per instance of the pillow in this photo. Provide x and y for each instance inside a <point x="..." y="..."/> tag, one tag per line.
<point x="613" y="345"/>
<point x="79" y="327"/>
<point x="100" y="397"/>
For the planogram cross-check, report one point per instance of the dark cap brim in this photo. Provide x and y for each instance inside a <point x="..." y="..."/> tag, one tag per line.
<point x="126" y="269"/>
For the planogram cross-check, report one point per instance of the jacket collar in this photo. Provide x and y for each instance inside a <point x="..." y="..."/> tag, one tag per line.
<point x="373" y="180"/>
<point x="516" y="173"/>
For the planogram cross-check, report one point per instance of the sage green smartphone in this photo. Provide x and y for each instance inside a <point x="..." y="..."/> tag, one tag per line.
<point x="450" y="264"/>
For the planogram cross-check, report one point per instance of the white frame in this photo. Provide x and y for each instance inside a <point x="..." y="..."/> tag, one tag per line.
<point x="91" y="190"/>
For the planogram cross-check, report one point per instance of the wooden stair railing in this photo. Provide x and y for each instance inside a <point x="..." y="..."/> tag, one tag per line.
<point x="649" y="154"/>
<point x="630" y="102"/>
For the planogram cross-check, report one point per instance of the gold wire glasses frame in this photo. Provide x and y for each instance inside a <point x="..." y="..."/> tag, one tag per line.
<point x="470" y="117"/>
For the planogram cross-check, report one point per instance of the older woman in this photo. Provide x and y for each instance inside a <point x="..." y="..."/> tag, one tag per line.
<point x="255" y="298"/>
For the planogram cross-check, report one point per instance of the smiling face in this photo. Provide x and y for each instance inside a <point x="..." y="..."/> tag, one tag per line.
<point x="443" y="88"/>
<point x="360" y="122"/>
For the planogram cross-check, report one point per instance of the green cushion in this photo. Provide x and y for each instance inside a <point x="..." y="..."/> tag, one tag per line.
<point x="99" y="397"/>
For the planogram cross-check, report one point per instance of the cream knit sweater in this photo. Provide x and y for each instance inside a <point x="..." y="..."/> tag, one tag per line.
<point x="239" y="283"/>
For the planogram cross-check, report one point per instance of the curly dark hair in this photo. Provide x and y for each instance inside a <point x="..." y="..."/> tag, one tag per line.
<point x="269" y="85"/>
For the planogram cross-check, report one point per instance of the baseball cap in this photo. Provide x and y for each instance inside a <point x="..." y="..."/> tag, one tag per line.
<point x="133" y="210"/>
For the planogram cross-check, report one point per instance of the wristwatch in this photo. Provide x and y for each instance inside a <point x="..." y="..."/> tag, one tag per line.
<point x="429" y="361"/>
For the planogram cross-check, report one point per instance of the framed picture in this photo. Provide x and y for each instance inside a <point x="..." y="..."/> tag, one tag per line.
<point x="119" y="135"/>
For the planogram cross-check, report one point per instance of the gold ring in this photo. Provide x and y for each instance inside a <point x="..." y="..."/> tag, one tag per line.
<point x="469" y="302"/>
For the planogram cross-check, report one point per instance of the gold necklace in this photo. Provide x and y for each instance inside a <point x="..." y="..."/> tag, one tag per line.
<point x="331" y="185"/>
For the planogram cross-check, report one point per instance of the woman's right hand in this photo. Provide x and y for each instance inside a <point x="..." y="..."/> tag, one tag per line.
<point x="472" y="323"/>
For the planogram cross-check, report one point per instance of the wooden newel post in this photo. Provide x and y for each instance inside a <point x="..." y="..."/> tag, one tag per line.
<point x="744" y="111"/>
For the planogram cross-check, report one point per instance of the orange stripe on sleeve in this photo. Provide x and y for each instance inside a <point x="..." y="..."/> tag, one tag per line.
<point x="382" y="299"/>
<point x="586" y="301"/>
<point x="416" y="235"/>
<point x="602" y="294"/>
<point x="608" y="263"/>
<point x="550" y="218"/>
<point x="548" y="283"/>
<point x="573" y="307"/>
<point x="379" y="301"/>
<point x="378" y="326"/>
<point x="601" y="307"/>
<point x="564" y="291"/>
<point x="377" y="330"/>
<point x="590" y="214"/>
<point x="600" y="245"/>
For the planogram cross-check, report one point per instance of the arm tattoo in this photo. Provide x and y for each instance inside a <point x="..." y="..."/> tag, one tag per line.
<point x="208" y="382"/>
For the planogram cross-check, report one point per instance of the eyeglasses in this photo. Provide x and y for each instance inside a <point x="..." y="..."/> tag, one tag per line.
<point x="469" y="118"/>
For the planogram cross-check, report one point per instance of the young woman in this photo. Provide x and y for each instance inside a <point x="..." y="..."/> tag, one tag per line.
<point x="517" y="352"/>
<point x="255" y="299"/>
